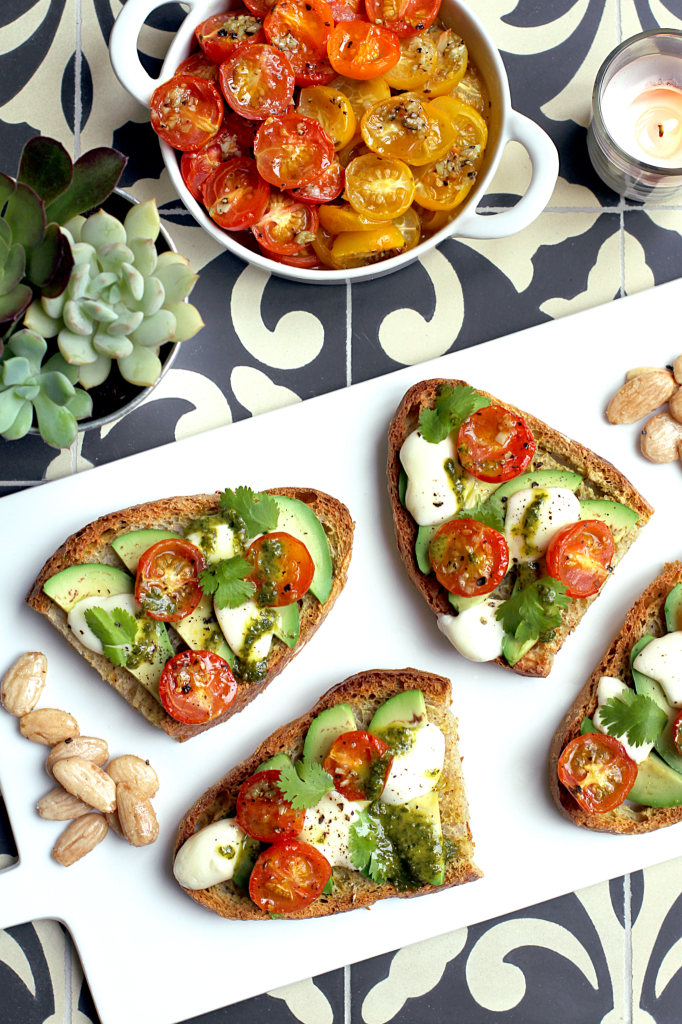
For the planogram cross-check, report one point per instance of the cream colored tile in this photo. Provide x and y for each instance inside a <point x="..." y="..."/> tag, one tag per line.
<point x="662" y="887"/>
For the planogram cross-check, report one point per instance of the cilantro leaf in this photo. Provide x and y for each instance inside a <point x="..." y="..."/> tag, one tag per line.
<point x="114" y="630"/>
<point x="226" y="580"/>
<point x="304" y="785"/>
<point x="634" y="716"/>
<point x="370" y="849"/>
<point x="259" y="512"/>
<point x="485" y="512"/>
<point x="534" y="612"/>
<point x="453" y="405"/>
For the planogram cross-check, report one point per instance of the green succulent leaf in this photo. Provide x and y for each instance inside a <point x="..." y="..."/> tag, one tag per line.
<point x="7" y="187"/>
<point x="45" y="167"/>
<point x="141" y="367"/>
<point x="103" y="229"/>
<point x="5" y="247"/>
<point x="91" y="375"/>
<point x="14" y="304"/>
<point x="188" y="320"/>
<point x="80" y="405"/>
<point x="15" y="371"/>
<point x="27" y="391"/>
<point x="58" y="364"/>
<point x="76" y="348"/>
<point x="29" y="345"/>
<point x="36" y="319"/>
<point x="25" y="215"/>
<point x="57" y="387"/>
<point x="44" y="263"/>
<point x="145" y="254"/>
<point x="22" y="423"/>
<point x="59" y="280"/>
<point x="95" y="176"/>
<point x="177" y="280"/>
<point x="142" y="221"/>
<point x="10" y="407"/>
<point x="5" y="232"/>
<point x="155" y="330"/>
<point x="15" y="266"/>
<point x="74" y="226"/>
<point x="56" y="424"/>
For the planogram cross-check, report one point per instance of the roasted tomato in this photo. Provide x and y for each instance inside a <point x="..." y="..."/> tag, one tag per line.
<point x="196" y="687"/>
<point x="329" y="186"/>
<point x="306" y="259"/>
<point x="472" y="91"/>
<point x="287" y="226"/>
<point x="362" y="94"/>
<point x="348" y="10"/>
<point x="444" y="184"/>
<point x="359" y="764"/>
<point x="379" y="188"/>
<point x="186" y="112"/>
<point x="358" y="49"/>
<point x="260" y="7"/>
<point x="167" y="583"/>
<point x="288" y="877"/>
<point x="235" y="194"/>
<point x="344" y="218"/>
<point x="332" y="109"/>
<point x="356" y="147"/>
<point x="418" y="60"/>
<point x="468" y="557"/>
<point x="282" y="569"/>
<point x="263" y="812"/>
<point x="580" y="555"/>
<point x="257" y="81"/>
<point x="362" y="247"/>
<point x="452" y="62"/>
<point x="409" y="226"/>
<point x="198" y="64"/>
<point x="230" y="142"/>
<point x="406" y="128"/>
<point x="292" y="150"/>
<point x="300" y="28"/>
<point x="406" y="17"/>
<point x="597" y="772"/>
<point x="221" y="34"/>
<point x="677" y="732"/>
<point x="495" y="444"/>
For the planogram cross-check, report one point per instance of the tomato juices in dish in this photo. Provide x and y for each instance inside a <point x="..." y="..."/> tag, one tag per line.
<point x="297" y="107"/>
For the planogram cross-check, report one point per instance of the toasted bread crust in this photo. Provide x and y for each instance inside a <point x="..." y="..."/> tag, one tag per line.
<point x="646" y="616"/>
<point x="602" y="480"/>
<point x="93" y="544"/>
<point x="364" y="692"/>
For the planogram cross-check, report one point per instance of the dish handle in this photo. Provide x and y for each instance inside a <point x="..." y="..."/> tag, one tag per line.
<point x="545" y="161"/>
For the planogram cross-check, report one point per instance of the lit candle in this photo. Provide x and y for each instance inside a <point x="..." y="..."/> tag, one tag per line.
<point x="657" y="133"/>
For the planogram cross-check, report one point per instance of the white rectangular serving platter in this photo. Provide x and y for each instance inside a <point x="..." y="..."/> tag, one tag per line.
<point x="142" y="941"/>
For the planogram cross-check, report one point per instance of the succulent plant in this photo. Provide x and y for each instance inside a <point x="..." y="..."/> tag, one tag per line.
<point x="122" y="301"/>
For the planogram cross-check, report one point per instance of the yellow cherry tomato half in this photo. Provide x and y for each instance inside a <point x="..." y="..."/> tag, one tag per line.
<point x="332" y="109"/>
<point x="364" y="244"/>
<point x="356" y="147"/>
<point x="472" y="90"/>
<point x="446" y="183"/>
<point x="322" y="245"/>
<point x="409" y="226"/>
<point x="361" y="93"/>
<point x="343" y="218"/>
<point x="380" y="188"/>
<point x="432" y="220"/>
<point x="452" y="62"/>
<point x="418" y="60"/>
<point x="408" y="128"/>
<point x="471" y="128"/>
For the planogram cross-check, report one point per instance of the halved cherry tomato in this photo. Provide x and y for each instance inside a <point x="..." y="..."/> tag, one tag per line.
<point x="348" y="10"/>
<point x="356" y="147"/>
<point x="221" y="34"/>
<point x="264" y="813"/>
<point x="432" y="220"/>
<point x="327" y="187"/>
<point x="418" y="60"/>
<point x="361" y="93"/>
<point x="167" y="583"/>
<point x="379" y="188"/>
<point x="468" y="557"/>
<point x="677" y="732"/>
<point x="257" y="81"/>
<point x="288" y="877"/>
<point x="186" y="112"/>
<point x="406" y="17"/>
<point x="322" y="245"/>
<point x="300" y="28"/>
<point x="282" y="569"/>
<point x="407" y="128"/>
<point x="363" y="246"/>
<point x="332" y="109"/>
<point x="359" y="764"/>
<point x="287" y="226"/>
<point x="292" y="150"/>
<point x="235" y="194"/>
<point x="358" y="49"/>
<point x="198" y="64"/>
<point x="196" y="686"/>
<point x="260" y="7"/>
<point x="597" y="772"/>
<point x="452" y="62"/>
<point x="344" y="218"/>
<point x="580" y="555"/>
<point x="495" y="444"/>
<point x="472" y="90"/>
<point x="409" y="226"/>
<point x="306" y="259"/>
<point x="197" y="167"/>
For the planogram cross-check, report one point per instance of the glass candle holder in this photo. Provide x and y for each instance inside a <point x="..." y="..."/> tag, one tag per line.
<point x="635" y="135"/>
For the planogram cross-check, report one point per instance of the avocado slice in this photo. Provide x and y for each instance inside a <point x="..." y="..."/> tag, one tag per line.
<point x="402" y="486"/>
<point x="298" y="519"/>
<point x="274" y="764"/>
<point x="619" y="518"/>
<point x="538" y="478"/>
<point x="665" y="744"/>
<point x="289" y="624"/>
<point x="425" y="535"/>
<point x="460" y="604"/>
<point x="407" y="709"/>
<point x="325" y="729"/>
<point x="246" y="858"/>
<point x="513" y="650"/>
<point x="149" y="672"/>
<point x="130" y="546"/>
<point x="201" y="632"/>
<point x="415" y="831"/>
<point x="657" y="784"/>
<point x="673" y="609"/>
<point x="71" y="585"/>
<point x="587" y="725"/>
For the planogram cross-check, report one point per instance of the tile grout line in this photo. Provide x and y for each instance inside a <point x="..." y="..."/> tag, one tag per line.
<point x="628" y="1008"/>
<point x="622" y="247"/>
<point x="346" y="977"/>
<point x="349" y="334"/>
<point x="78" y="99"/>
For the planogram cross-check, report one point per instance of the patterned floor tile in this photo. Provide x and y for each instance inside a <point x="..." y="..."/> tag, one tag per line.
<point x="657" y="946"/>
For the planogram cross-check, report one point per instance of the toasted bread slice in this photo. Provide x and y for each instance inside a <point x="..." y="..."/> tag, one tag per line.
<point x="553" y="451"/>
<point x="93" y="544"/>
<point x="365" y="692"/>
<point x="646" y="616"/>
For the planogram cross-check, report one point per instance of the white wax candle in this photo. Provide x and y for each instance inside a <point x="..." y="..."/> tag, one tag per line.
<point x="642" y="110"/>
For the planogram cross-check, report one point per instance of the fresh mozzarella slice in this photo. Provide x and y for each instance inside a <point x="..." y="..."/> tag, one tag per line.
<point x="80" y="628"/>
<point x="609" y="687"/>
<point x="661" y="660"/>
<point x="209" y="856"/>
<point x="534" y="516"/>
<point x="216" y="541"/>
<point x="417" y="771"/>
<point x="475" y="632"/>
<point x="430" y="496"/>
<point x="237" y="623"/>
<point x="327" y="827"/>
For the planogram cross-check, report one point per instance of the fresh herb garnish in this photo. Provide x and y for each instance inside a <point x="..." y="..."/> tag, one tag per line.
<point x="259" y="512"/>
<point x="226" y="580"/>
<point x="328" y="889"/>
<point x="114" y="630"/>
<point x="635" y="716"/>
<point x="453" y="405"/>
<point x="535" y="611"/>
<point x="485" y="512"/>
<point x="305" y="785"/>
<point x="370" y="849"/>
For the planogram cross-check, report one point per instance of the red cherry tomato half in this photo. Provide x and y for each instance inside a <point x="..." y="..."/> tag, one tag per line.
<point x="495" y="444"/>
<point x="197" y="167"/>
<point x="260" y="7"/>
<point x="597" y="772"/>
<point x="196" y="686"/>
<point x="235" y="194"/>
<point x="167" y="582"/>
<point x="325" y="188"/>
<point x="282" y="568"/>
<point x="359" y="764"/>
<point x="677" y="732"/>
<point x="292" y="150"/>
<point x="300" y="28"/>
<point x="186" y="112"/>
<point x="359" y="49"/>
<point x="406" y="17"/>
<point x="257" y="81"/>
<point x="306" y="259"/>
<point x="221" y="34"/>
<point x="580" y="555"/>
<point x="288" y="877"/>
<point x="264" y="813"/>
<point x="468" y="557"/>
<point x="198" y="64"/>
<point x="348" y="10"/>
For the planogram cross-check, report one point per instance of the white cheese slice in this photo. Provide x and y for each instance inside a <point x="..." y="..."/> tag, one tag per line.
<point x="327" y="827"/>
<point x="80" y="628"/>
<point x="222" y="542"/>
<point x="661" y="660"/>
<point x="417" y="771"/>
<point x="475" y="632"/>
<point x="609" y="687"/>
<point x="209" y="856"/>
<point x="430" y="496"/>
<point x="236" y="623"/>
<point x="529" y="536"/>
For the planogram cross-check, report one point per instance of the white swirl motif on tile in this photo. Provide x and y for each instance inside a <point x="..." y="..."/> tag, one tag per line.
<point x="257" y="393"/>
<point x="13" y="956"/>
<point x="500" y="986"/>
<point x="597" y="902"/>
<point x="307" y="1003"/>
<point x="414" y="971"/>
<point x="662" y="889"/>
<point x="211" y="407"/>
<point x="527" y="39"/>
<point x="65" y="973"/>
<point x="407" y="337"/>
<point x="296" y="340"/>
<point x="65" y="464"/>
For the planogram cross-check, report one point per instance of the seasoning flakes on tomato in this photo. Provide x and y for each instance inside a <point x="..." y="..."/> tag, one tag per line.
<point x="406" y="17"/>
<point x="167" y="583"/>
<point x="186" y="112"/>
<point x="292" y="150"/>
<point x="196" y="687"/>
<point x="257" y="81"/>
<point x="495" y="444"/>
<point x="288" y="877"/>
<point x="221" y="34"/>
<point x="230" y="142"/>
<point x="359" y="49"/>
<point x="468" y="557"/>
<point x="235" y="194"/>
<point x="287" y="226"/>
<point x="379" y="188"/>
<point x="198" y="64"/>
<point x="359" y="763"/>
<point x="407" y="128"/>
<point x="327" y="187"/>
<point x="264" y="813"/>
<point x="597" y="771"/>
<point x="580" y="555"/>
<point x="282" y="569"/>
<point x="332" y="109"/>
<point x="300" y="29"/>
